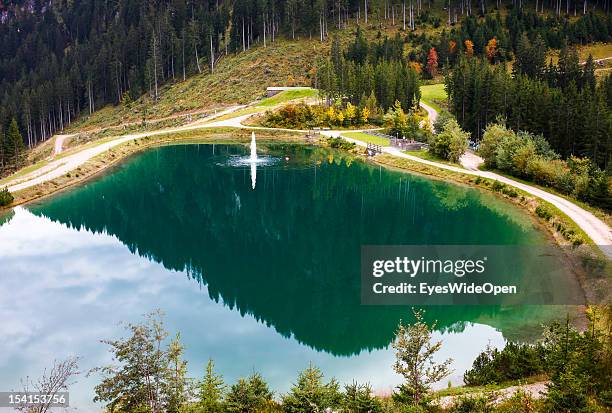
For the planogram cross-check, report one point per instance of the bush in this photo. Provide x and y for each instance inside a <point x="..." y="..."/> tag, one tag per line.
<point x="451" y="143"/>
<point x="543" y="212"/>
<point x="498" y="186"/>
<point x="339" y="143"/>
<point x="6" y="198"/>
<point x="520" y="402"/>
<point x="472" y="404"/>
<point x="509" y="191"/>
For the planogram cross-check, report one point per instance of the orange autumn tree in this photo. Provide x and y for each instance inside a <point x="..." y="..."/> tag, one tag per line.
<point x="491" y="49"/>
<point x="416" y="66"/>
<point x="469" y="48"/>
<point x="432" y="62"/>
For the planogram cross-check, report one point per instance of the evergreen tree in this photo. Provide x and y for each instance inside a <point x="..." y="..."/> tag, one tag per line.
<point x="211" y="390"/>
<point x="248" y="395"/>
<point x="14" y="147"/>
<point x="311" y="394"/>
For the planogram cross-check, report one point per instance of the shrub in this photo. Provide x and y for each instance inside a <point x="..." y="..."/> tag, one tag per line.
<point x="451" y="143"/>
<point x="472" y="404"/>
<point x="543" y="212"/>
<point x="509" y="191"/>
<point x="339" y="143"/>
<point x="520" y="402"/>
<point x="498" y="186"/>
<point x="6" y="198"/>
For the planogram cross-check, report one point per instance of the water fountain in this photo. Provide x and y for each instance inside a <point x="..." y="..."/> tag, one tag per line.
<point x="253" y="160"/>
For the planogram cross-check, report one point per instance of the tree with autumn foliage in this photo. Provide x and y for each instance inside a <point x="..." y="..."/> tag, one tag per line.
<point x="491" y="49"/>
<point x="469" y="48"/>
<point x="452" y="47"/>
<point x="432" y="62"/>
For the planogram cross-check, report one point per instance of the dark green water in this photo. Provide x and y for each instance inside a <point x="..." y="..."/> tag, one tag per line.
<point x="218" y="255"/>
<point x="287" y="252"/>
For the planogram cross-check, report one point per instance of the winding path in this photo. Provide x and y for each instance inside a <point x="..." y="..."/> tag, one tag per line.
<point x="595" y="228"/>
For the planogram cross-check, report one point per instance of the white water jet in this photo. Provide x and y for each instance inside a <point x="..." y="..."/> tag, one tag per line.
<point x="253" y="148"/>
<point x="253" y="160"/>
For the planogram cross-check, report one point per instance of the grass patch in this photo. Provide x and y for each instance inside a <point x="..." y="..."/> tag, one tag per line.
<point x="434" y="95"/>
<point x="428" y="156"/>
<point x="286" y="96"/>
<point x="270" y="102"/>
<point x="367" y="138"/>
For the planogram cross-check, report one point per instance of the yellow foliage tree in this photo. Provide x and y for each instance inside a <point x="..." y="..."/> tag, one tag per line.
<point x="491" y="49"/>
<point x="331" y="114"/>
<point x="416" y="66"/>
<point x="469" y="48"/>
<point x="365" y="114"/>
<point x="340" y="118"/>
<point x="350" y="112"/>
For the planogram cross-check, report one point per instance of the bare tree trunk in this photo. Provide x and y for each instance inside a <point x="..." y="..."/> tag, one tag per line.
<point x="212" y="55"/>
<point x="243" y="42"/>
<point x="197" y="58"/>
<point x="184" y="73"/>
<point x="155" y="63"/>
<point x="264" y="30"/>
<point x="366" y="11"/>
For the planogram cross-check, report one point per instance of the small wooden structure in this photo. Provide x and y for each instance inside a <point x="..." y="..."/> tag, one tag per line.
<point x="373" y="149"/>
<point x="312" y="134"/>
<point x="407" y="144"/>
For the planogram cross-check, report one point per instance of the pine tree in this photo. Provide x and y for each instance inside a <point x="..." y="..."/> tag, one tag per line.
<point x="211" y="390"/>
<point x="310" y="393"/>
<point x="13" y="145"/>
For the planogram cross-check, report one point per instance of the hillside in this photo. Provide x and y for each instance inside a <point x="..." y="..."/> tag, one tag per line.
<point x="238" y="79"/>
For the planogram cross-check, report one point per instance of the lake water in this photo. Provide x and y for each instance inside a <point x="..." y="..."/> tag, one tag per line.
<point x="263" y="279"/>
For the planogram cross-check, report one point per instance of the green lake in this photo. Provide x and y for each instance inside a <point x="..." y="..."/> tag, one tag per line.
<point x="264" y="279"/>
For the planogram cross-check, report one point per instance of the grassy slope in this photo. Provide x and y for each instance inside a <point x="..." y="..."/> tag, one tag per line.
<point x="434" y="95"/>
<point x="238" y="79"/>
